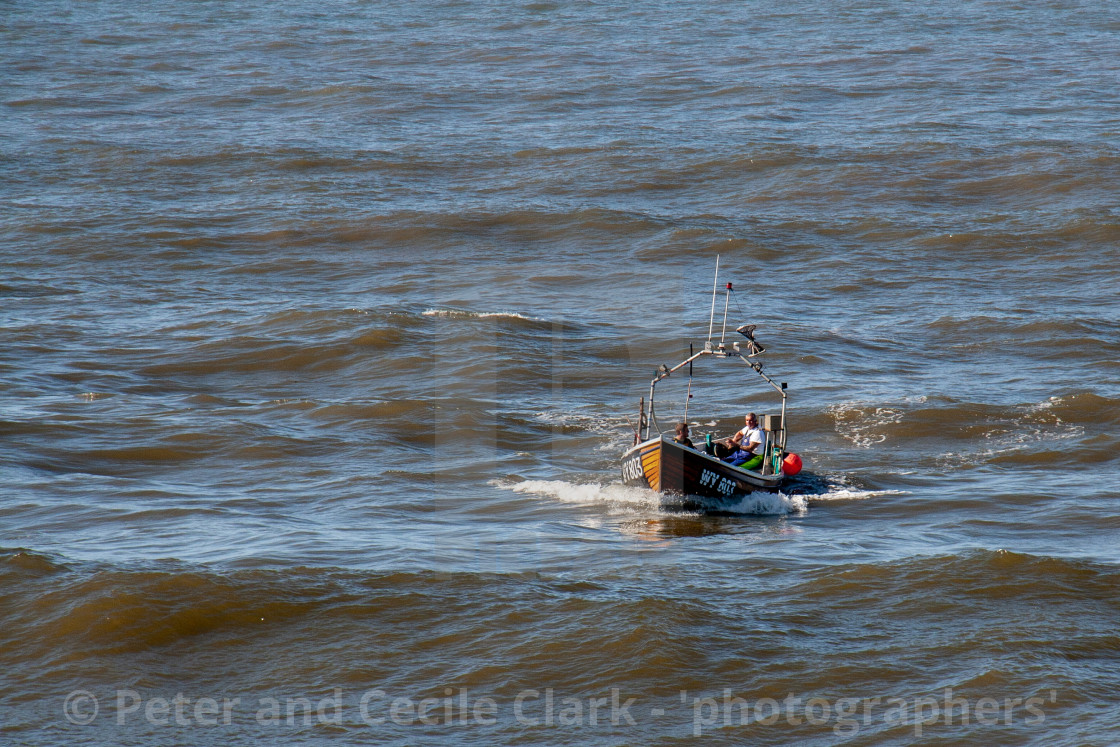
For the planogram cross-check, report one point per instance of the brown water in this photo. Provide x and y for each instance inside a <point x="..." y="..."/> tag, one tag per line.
<point x="321" y="324"/>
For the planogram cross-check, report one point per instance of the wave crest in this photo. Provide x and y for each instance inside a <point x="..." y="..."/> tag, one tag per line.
<point x="461" y="314"/>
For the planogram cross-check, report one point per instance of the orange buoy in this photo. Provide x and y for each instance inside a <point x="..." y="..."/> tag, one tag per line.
<point x="791" y="465"/>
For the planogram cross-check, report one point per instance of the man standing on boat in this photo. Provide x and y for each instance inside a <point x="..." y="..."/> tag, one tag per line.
<point x="748" y="444"/>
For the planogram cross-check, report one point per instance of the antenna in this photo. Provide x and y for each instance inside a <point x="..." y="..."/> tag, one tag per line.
<point x="688" y="394"/>
<point x="712" y="317"/>
<point x="726" y="299"/>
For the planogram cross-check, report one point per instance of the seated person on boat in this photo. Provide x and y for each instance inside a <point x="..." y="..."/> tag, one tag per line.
<point x="682" y="436"/>
<point x="744" y="449"/>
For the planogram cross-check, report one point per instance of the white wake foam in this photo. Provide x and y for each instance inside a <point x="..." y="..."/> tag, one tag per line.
<point x="863" y="424"/>
<point x="587" y="494"/>
<point x="839" y="488"/>
<point x="769" y="504"/>
<point x="460" y="314"/>
<point x="851" y="494"/>
<point x="1034" y="427"/>
<point x="618" y="498"/>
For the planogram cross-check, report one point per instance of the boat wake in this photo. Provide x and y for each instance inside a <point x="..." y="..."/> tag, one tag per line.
<point x="768" y="504"/>
<point x="819" y="488"/>
<point x="622" y="499"/>
<point x="851" y="494"/>
<point x="617" y="497"/>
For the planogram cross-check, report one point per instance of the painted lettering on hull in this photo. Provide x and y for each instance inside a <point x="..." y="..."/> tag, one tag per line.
<point x="723" y="485"/>
<point x="632" y="471"/>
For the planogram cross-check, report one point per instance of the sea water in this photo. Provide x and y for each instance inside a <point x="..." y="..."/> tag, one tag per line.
<point x="324" y="327"/>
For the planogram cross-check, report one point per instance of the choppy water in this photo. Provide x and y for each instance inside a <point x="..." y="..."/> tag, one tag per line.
<point x="321" y="324"/>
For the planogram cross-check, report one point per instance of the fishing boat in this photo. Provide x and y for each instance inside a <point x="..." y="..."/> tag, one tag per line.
<point x="695" y="477"/>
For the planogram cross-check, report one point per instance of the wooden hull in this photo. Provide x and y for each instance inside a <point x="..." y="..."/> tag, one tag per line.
<point x="684" y="474"/>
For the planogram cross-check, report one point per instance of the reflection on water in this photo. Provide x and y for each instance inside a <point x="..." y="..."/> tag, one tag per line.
<point x="661" y="529"/>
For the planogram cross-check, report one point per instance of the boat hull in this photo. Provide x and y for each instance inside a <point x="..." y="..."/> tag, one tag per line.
<point x="684" y="474"/>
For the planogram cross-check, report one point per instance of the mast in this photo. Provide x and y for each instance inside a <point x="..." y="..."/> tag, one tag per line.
<point x="726" y="300"/>
<point x="647" y="418"/>
<point x="712" y="316"/>
<point x="688" y="394"/>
